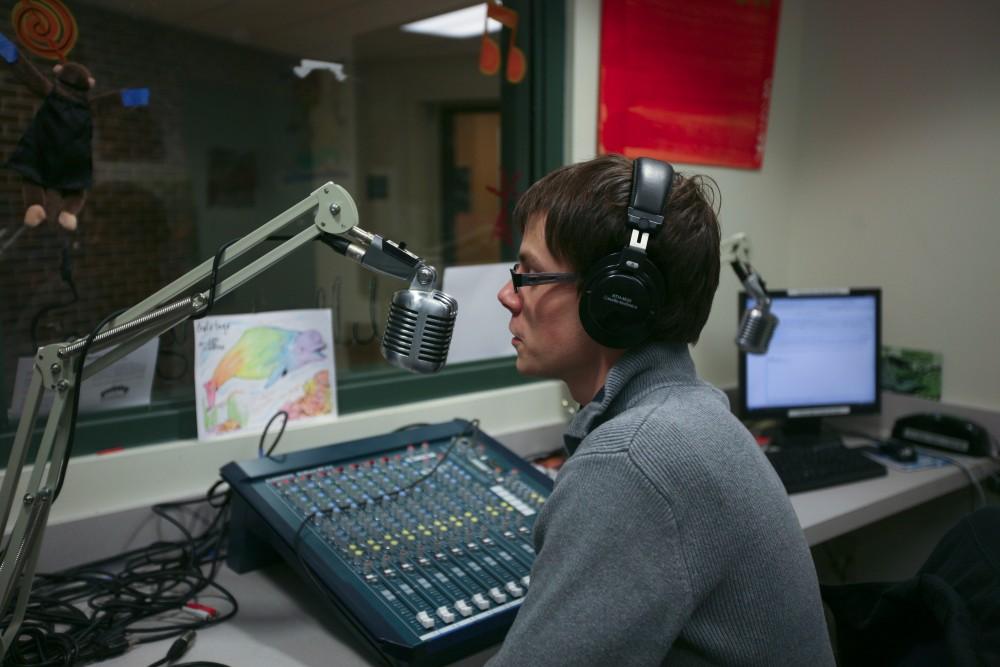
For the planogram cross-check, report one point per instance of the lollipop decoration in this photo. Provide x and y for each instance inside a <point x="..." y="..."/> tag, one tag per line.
<point x="46" y="28"/>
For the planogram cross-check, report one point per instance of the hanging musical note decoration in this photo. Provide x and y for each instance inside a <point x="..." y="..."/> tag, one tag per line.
<point x="489" y="50"/>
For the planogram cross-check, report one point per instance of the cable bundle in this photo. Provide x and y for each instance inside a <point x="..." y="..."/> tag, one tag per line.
<point x="101" y="609"/>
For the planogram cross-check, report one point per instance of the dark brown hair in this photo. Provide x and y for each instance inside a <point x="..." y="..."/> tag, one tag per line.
<point x="584" y="206"/>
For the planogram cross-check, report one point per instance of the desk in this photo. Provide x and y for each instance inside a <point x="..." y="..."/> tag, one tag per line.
<point x="282" y="622"/>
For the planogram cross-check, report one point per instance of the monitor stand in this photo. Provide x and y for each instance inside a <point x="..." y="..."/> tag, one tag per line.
<point x="804" y="432"/>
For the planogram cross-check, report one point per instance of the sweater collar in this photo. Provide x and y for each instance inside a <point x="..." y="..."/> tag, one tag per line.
<point x="636" y="372"/>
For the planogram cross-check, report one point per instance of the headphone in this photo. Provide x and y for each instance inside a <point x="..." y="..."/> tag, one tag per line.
<point x="624" y="292"/>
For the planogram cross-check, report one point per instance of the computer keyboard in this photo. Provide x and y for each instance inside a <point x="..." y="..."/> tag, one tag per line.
<point x="808" y="468"/>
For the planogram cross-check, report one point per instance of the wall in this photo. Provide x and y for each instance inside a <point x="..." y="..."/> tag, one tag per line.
<point x="882" y="143"/>
<point x="899" y="133"/>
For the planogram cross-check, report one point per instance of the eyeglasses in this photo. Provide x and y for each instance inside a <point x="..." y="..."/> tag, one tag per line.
<point x="527" y="279"/>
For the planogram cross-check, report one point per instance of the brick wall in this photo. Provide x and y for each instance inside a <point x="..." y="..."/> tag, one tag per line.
<point x="138" y="230"/>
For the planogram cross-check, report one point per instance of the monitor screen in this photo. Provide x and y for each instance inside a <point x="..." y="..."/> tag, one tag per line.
<point x="823" y="359"/>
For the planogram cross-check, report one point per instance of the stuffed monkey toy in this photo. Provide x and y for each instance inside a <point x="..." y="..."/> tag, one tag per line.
<point x="54" y="154"/>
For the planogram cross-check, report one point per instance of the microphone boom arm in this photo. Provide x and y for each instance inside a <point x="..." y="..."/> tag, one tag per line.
<point x="736" y="251"/>
<point x="55" y="367"/>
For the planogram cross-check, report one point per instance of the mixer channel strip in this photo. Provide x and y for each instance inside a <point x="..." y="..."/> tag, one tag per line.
<point x="428" y="571"/>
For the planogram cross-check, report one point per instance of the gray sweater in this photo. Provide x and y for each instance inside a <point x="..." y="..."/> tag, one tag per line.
<point x="668" y="538"/>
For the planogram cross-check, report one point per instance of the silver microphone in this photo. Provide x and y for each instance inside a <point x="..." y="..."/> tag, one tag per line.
<point x="756" y="328"/>
<point x="421" y="318"/>
<point x="418" y="330"/>
<point x="758" y="322"/>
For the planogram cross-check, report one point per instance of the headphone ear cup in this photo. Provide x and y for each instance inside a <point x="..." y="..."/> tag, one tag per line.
<point x="619" y="304"/>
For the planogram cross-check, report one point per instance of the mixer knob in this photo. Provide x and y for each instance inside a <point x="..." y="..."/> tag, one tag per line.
<point x="498" y="596"/>
<point x="525" y="580"/>
<point x="480" y="601"/>
<point x="463" y="607"/>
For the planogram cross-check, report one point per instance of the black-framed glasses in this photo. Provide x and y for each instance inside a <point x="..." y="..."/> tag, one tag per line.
<point x="520" y="280"/>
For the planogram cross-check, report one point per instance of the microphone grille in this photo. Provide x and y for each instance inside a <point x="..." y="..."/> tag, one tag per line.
<point x="418" y="331"/>
<point x="756" y="329"/>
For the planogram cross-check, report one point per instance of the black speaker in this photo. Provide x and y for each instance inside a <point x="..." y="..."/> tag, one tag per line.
<point x="624" y="292"/>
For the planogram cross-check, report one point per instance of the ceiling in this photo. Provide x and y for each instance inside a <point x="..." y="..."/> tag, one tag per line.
<point x="316" y="29"/>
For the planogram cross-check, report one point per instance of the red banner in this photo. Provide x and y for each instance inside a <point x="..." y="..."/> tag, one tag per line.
<point x="687" y="80"/>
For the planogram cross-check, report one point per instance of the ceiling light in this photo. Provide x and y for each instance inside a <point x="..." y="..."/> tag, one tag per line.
<point x="459" y="24"/>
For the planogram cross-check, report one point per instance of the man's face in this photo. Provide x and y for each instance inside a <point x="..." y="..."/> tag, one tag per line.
<point x="544" y="319"/>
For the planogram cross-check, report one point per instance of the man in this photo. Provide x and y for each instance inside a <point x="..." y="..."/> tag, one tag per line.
<point x="668" y="539"/>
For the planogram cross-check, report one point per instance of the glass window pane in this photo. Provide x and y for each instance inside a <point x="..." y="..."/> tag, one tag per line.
<point x="222" y="126"/>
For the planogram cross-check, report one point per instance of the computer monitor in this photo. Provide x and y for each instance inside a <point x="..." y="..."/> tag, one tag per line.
<point x="823" y="361"/>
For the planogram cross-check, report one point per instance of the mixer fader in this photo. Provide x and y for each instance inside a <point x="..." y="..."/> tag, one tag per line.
<point x="421" y="538"/>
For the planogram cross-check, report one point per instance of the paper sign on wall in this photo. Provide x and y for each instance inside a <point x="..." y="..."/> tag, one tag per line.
<point x="481" y="328"/>
<point x="127" y="383"/>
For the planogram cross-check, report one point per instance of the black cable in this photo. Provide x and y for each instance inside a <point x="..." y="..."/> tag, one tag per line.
<point x="76" y="400"/>
<point x="260" y="444"/>
<point x="101" y="609"/>
<point x="214" y="279"/>
<point x="177" y="649"/>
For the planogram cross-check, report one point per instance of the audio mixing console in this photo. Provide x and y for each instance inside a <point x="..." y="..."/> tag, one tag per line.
<point x="421" y="538"/>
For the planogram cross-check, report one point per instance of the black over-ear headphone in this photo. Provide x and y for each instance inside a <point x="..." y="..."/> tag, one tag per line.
<point x="624" y="292"/>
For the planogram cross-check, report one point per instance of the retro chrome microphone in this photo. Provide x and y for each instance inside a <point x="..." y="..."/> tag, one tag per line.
<point x="421" y="321"/>
<point x="758" y="322"/>
<point x="421" y="318"/>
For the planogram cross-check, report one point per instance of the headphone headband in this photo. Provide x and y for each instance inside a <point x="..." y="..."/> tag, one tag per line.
<point x="651" y="183"/>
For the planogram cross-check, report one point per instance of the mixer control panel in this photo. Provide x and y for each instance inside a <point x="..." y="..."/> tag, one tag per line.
<point x="423" y="538"/>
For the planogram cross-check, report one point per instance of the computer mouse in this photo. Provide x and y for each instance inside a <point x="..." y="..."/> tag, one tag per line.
<point x="898" y="450"/>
